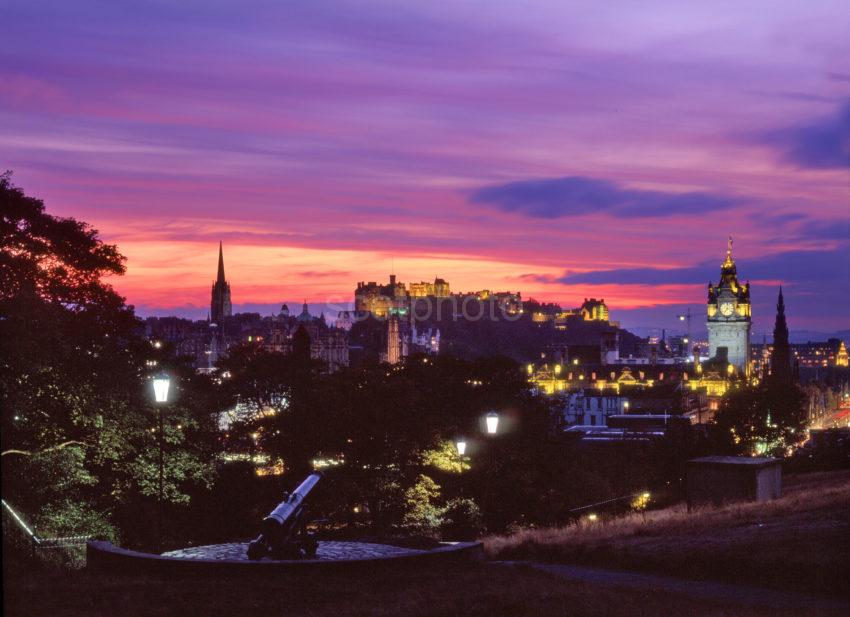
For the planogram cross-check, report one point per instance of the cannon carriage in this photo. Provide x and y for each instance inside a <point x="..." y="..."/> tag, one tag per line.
<point x="283" y="532"/>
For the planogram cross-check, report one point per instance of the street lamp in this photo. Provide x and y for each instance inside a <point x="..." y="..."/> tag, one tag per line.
<point x="626" y="406"/>
<point x="161" y="384"/>
<point x="492" y="423"/>
<point x="460" y="444"/>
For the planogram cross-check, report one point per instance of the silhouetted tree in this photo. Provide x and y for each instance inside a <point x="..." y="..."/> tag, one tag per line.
<point x="761" y="420"/>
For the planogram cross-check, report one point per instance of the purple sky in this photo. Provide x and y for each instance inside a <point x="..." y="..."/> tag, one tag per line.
<point x="562" y="149"/>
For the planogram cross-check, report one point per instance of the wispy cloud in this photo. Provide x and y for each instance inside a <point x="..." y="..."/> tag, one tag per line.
<point x="828" y="230"/>
<point x="823" y="143"/>
<point x="823" y="267"/>
<point x="552" y="198"/>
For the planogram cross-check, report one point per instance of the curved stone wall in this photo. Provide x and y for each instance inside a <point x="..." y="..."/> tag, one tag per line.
<point x="104" y="557"/>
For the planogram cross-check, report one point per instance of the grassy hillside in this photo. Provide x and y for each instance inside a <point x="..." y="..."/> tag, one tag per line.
<point x="799" y="542"/>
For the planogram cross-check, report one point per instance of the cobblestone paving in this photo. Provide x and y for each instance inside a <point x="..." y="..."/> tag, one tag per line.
<point x="327" y="550"/>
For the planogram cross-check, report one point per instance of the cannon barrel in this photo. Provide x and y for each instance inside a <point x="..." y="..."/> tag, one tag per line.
<point x="285" y="509"/>
<point x="282" y="527"/>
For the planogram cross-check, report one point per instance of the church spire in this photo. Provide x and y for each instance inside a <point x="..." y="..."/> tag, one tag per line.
<point x="220" y="305"/>
<point x="220" y="277"/>
<point x="780" y="357"/>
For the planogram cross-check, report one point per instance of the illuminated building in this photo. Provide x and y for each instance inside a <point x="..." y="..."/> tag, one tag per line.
<point x="598" y="391"/>
<point x="381" y="300"/>
<point x="427" y="341"/>
<point x="808" y="357"/>
<point x="507" y="301"/>
<point x="438" y="289"/>
<point x="841" y="358"/>
<point x="663" y="381"/>
<point x="729" y="317"/>
<point x="591" y="310"/>
<point x="594" y="310"/>
<point x="396" y="346"/>
<point x="344" y="321"/>
<point x="220" y="306"/>
<point x="554" y="378"/>
<point x="400" y="299"/>
<point x="715" y="376"/>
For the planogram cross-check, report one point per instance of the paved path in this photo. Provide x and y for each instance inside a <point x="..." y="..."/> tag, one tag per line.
<point x="725" y="593"/>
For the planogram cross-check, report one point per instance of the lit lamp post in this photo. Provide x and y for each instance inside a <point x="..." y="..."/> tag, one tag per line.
<point x="492" y="423"/>
<point x="161" y="384"/>
<point x="626" y="406"/>
<point x="460" y="444"/>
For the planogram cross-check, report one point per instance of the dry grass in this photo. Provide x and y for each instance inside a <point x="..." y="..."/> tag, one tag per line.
<point x="485" y="590"/>
<point x="801" y="541"/>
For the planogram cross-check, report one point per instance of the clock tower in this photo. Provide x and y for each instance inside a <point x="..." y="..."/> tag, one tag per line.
<point x="729" y="317"/>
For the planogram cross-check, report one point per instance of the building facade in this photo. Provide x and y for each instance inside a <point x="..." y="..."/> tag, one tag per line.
<point x="592" y="407"/>
<point x="327" y="343"/>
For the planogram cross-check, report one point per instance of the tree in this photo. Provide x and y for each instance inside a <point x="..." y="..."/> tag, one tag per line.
<point x="279" y="396"/>
<point x="422" y="515"/>
<point x="761" y="420"/>
<point x="76" y="428"/>
<point x="59" y="321"/>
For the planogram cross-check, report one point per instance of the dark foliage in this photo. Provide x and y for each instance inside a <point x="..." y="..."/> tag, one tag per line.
<point x="766" y="419"/>
<point x="77" y="440"/>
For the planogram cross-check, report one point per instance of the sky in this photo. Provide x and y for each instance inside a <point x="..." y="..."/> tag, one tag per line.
<point x="561" y="149"/>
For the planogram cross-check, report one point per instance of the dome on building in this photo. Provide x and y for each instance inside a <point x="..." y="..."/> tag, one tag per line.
<point x="305" y="315"/>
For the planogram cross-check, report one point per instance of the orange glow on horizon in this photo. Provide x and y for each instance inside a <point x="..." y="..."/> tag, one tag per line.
<point x="178" y="274"/>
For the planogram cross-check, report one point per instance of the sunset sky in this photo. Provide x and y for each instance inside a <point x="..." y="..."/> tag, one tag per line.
<point x="562" y="149"/>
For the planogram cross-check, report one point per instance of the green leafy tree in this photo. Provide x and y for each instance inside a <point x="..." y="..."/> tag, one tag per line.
<point x="446" y="458"/>
<point x="77" y="422"/>
<point x="422" y="514"/>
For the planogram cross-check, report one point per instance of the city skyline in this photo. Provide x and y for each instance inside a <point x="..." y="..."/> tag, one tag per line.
<point x="333" y="306"/>
<point x="562" y="153"/>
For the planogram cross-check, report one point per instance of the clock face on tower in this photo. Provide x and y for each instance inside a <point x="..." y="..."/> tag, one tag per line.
<point x="726" y="309"/>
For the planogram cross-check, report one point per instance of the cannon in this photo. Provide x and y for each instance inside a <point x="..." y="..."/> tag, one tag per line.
<point x="283" y="532"/>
